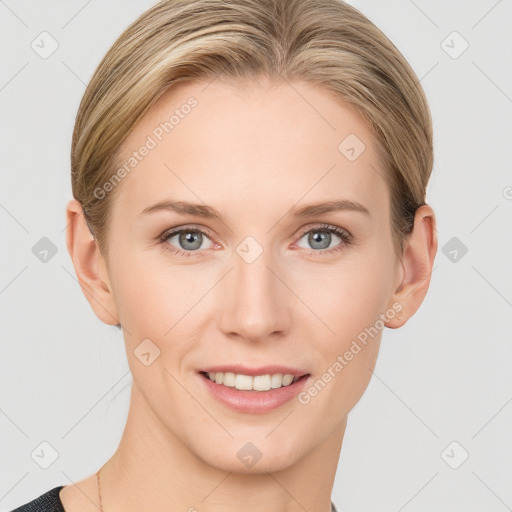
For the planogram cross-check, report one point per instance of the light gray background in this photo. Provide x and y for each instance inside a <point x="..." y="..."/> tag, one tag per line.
<point x="445" y="376"/>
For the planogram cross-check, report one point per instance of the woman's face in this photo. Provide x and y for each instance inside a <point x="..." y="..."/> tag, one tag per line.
<point x="258" y="283"/>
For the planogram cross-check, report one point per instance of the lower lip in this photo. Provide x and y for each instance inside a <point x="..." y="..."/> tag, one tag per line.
<point x="254" y="402"/>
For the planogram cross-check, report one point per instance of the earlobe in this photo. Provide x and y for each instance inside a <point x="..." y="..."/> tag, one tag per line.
<point x="418" y="258"/>
<point x="89" y="265"/>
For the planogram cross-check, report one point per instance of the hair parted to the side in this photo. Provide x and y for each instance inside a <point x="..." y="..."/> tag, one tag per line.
<point x="326" y="42"/>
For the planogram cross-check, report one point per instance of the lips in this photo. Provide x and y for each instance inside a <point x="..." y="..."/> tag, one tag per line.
<point x="253" y="401"/>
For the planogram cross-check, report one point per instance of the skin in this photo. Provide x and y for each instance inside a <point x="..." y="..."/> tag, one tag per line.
<point x="252" y="151"/>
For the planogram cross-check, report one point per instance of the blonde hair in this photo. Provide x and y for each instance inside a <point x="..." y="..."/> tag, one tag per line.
<point x="325" y="42"/>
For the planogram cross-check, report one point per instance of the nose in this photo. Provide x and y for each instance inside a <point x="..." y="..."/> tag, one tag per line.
<point x="255" y="302"/>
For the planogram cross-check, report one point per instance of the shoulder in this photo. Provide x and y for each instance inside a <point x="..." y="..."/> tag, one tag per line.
<point x="47" y="502"/>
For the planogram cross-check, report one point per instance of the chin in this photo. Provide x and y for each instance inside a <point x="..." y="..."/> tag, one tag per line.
<point x="242" y="455"/>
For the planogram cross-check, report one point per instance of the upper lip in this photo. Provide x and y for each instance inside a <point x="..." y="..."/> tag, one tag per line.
<point x="262" y="370"/>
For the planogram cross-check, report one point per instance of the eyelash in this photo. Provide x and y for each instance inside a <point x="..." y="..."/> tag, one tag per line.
<point x="346" y="239"/>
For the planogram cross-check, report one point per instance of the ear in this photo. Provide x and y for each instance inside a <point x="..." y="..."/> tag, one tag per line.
<point x="418" y="258"/>
<point x="89" y="265"/>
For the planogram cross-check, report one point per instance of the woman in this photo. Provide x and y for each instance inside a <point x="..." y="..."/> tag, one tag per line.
<point x="249" y="183"/>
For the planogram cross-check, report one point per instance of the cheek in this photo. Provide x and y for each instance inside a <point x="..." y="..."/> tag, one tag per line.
<point x="353" y="301"/>
<point x="354" y="293"/>
<point x="159" y="300"/>
<point x="347" y="355"/>
<point x="143" y="296"/>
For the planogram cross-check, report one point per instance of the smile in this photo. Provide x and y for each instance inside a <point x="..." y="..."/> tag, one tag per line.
<point x="252" y="383"/>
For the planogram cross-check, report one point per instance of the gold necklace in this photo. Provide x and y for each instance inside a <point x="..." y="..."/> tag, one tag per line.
<point x="99" y="488"/>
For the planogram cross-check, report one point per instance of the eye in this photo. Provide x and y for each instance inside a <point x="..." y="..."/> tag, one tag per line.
<point x="188" y="240"/>
<point x="320" y="239"/>
<point x="191" y="239"/>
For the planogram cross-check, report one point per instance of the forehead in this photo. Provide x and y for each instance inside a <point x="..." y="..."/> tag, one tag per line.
<point x="250" y="144"/>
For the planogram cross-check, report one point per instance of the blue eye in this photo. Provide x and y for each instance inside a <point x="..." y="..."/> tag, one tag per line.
<point x="320" y="238"/>
<point x="191" y="240"/>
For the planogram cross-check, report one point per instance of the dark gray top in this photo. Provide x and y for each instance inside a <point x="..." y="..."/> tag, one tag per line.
<point x="47" y="502"/>
<point x="50" y="502"/>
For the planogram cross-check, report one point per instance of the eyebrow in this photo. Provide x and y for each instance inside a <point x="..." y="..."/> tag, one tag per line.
<point x="205" y="211"/>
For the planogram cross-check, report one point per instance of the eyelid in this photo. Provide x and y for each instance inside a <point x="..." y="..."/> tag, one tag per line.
<point x="188" y="227"/>
<point x="320" y="227"/>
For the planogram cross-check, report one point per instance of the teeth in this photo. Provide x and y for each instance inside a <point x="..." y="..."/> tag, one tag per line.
<point x="250" y="383"/>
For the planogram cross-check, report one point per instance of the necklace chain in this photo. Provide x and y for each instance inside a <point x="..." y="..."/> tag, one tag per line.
<point x="99" y="488"/>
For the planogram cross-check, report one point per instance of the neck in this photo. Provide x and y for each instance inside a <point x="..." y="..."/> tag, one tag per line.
<point x="153" y="469"/>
